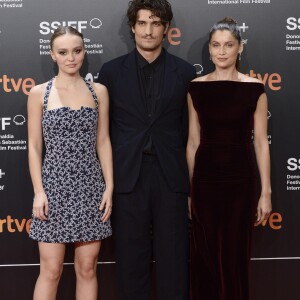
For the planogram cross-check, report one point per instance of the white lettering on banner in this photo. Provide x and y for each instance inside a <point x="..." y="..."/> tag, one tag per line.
<point x="293" y="176"/>
<point x="292" y="40"/>
<point x="293" y="181"/>
<point x="1" y="173"/>
<point x="292" y="48"/>
<point x="5" y="122"/>
<point x="219" y="2"/>
<point x="46" y="27"/>
<point x="17" y="120"/>
<point x="293" y="164"/>
<point x="293" y="23"/>
<point x="49" y="27"/>
<point x="44" y="41"/>
<point x="260" y="1"/>
<point x="14" y="5"/>
<point x="223" y="2"/>
<point x="11" y="3"/>
<point x="8" y="141"/>
<point x="17" y="142"/>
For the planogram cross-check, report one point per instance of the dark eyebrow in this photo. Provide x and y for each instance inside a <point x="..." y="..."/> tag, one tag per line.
<point x="151" y="20"/>
<point x="64" y="49"/>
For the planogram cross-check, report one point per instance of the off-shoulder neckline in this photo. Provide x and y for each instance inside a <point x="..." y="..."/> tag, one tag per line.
<point x="225" y="81"/>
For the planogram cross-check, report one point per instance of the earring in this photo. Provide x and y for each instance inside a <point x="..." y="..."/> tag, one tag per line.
<point x="54" y="60"/>
<point x="240" y="56"/>
<point x="209" y="56"/>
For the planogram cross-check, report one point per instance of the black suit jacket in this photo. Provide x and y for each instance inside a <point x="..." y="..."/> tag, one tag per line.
<point x="130" y="126"/>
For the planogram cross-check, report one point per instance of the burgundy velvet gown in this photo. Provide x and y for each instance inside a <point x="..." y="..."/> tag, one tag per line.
<point x="223" y="189"/>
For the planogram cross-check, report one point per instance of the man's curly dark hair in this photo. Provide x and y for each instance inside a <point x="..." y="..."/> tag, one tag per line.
<point x="160" y="8"/>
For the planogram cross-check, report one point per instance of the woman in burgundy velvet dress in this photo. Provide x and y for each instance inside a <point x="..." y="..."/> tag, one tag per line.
<point x="224" y="107"/>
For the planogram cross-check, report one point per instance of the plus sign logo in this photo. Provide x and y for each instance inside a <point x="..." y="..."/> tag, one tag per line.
<point x="1" y="173"/>
<point x="244" y="27"/>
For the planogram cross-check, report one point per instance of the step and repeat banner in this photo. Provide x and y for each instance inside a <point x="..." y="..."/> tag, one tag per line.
<point x="271" y="34"/>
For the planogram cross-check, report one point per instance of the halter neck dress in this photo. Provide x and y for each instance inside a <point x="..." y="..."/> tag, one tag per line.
<point x="72" y="176"/>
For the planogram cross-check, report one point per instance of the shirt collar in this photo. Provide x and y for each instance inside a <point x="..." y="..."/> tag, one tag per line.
<point x="142" y="62"/>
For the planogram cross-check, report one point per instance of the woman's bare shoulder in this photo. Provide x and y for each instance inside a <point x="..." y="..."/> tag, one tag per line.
<point x="202" y="78"/>
<point x="98" y="87"/>
<point x="246" y="78"/>
<point x="38" y="89"/>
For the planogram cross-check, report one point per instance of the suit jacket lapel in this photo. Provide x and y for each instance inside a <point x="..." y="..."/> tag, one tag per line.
<point x="170" y="79"/>
<point x="132" y="86"/>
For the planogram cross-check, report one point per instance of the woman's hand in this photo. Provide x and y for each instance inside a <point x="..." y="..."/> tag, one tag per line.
<point x="40" y="206"/>
<point x="106" y="204"/>
<point x="264" y="209"/>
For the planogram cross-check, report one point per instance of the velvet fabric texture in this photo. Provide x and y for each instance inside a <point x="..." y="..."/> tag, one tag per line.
<point x="223" y="189"/>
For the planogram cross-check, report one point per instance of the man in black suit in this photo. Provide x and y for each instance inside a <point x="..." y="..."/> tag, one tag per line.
<point x="148" y="89"/>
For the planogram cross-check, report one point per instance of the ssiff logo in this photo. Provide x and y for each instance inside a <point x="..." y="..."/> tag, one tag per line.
<point x="293" y="23"/>
<point x="49" y="27"/>
<point x="293" y="164"/>
<point x="17" y="120"/>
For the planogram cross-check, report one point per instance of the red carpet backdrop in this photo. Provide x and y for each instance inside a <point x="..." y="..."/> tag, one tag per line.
<point x="271" y="33"/>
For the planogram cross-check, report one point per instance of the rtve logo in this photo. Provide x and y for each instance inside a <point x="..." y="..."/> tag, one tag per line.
<point x="49" y="27"/>
<point x="273" y="80"/>
<point x="293" y="23"/>
<point x="9" y="85"/>
<point x="11" y="225"/>
<point x="293" y="164"/>
<point x="174" y="35"/>
<point x="274" y="221"/>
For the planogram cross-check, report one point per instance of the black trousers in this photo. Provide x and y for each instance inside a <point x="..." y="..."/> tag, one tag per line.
<point x="151" y="203"/>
